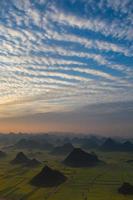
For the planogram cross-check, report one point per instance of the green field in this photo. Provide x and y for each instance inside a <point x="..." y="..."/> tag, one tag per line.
<point x="96" y="183"/>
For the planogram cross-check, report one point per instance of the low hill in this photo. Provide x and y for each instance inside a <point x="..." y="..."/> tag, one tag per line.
<point x="127" y="146"/>
<point x="80" y="158"/>
<point x="21" y="158"/>
<point x="126" y="189"/>
<point x="64" y="149"/>
<point x="110" y="145"/>
<point x="48" y="178"/>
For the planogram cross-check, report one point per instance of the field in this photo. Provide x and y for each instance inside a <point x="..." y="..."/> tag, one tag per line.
<point x="96" y="183"/>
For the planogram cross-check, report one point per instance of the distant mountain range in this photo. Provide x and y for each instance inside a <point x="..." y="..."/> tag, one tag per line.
<point x="90" y="143"/>
<point x="33" y="144"/>
<point x="112" y="145"/>
<point x="62" y="150"/>
<point x="107" y="144"/>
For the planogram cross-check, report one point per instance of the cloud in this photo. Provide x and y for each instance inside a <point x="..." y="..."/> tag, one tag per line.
<point x="113" y="119"/>
<point x="89" y="43"/>
<point x="114" y="28"/>
<point x="54" y="59"/>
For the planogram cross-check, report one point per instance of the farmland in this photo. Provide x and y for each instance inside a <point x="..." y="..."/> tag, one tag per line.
<point x="93" y="183"/>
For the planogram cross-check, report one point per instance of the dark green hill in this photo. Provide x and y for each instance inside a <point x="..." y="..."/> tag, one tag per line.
<point x="22" y="159"/>
<point x="126" y="189"/>
<point x="80" y="158"/>
<point x="48" y="178"/>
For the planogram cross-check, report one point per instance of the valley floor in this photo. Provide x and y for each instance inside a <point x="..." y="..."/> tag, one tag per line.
<point x="95" y="183"/>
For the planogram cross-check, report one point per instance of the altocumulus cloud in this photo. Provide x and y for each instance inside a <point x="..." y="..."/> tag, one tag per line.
<point x="58" y="56"/>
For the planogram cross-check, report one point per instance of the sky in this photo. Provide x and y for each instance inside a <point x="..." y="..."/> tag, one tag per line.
<point x="66" y="65"/>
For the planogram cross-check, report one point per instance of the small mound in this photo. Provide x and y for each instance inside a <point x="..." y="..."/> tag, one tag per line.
<point x="48" y="178"/>
<point x="126" y="189"/>
<point x="80" y="158"/>
<point x="2" y="154"/>
<point x="20" y="158"/>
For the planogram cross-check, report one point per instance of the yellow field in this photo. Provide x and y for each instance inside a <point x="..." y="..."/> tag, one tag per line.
<point x="96" y="183"/>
